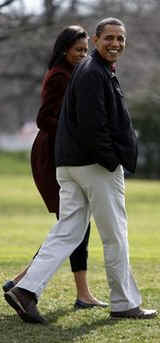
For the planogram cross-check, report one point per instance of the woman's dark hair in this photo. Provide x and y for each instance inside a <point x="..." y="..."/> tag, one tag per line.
<point x="65" y="41"/>
<point x="108" y="21"/>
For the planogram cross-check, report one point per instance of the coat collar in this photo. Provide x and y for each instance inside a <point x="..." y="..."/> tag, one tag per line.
<point x="107" y="66"/>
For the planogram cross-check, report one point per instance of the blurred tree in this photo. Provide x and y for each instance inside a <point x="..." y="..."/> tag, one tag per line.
<point x="74" y="6"/>
<point x="6" y="3"/>
<point x="26" y="41"/>
<point x="146" y="107"/>
<point x="50" y="9"/>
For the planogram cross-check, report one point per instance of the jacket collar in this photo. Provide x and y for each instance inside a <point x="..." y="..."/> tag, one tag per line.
<point x="102" y="61"/>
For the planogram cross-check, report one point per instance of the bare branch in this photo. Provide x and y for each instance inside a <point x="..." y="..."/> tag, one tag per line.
<point x="6" y="3"/>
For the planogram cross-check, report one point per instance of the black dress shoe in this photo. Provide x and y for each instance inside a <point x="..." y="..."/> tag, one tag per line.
<point x="135" y="313"/>
<point x="25" y="304"/>
<point x="82" y="305"/>
<point x="8" y="285"/>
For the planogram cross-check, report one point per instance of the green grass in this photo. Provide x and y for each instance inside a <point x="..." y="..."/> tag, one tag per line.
<point x="24" y="223"/>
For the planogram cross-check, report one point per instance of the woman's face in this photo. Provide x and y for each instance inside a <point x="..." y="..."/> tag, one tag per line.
<point x="78" y="51"/>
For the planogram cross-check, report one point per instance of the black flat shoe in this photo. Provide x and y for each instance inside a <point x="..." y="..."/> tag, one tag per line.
<point x="82" y="305"/>
<point x="8" y="285"/>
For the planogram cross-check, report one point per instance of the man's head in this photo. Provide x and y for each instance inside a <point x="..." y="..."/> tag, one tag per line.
<point x="110" y="39"/>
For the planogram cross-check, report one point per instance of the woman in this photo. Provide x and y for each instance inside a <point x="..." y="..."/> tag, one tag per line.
<point x="70" y="48"/>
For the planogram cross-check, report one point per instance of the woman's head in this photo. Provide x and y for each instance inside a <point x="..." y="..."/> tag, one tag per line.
<point x="71" y="45"/>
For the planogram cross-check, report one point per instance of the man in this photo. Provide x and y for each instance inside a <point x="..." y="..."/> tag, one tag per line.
<point x="95" y="139"/>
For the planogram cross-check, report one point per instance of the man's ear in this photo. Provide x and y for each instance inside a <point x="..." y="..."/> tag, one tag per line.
<point x="94" y="39"/>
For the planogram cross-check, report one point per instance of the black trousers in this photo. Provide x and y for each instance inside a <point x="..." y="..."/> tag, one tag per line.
<point x="79" y="257"/>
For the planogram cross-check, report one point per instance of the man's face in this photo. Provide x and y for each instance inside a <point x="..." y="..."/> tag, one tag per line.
<point x="111" y="42"/>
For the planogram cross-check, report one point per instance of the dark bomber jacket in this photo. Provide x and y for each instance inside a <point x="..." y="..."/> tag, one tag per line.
<point x="94" y="124"/>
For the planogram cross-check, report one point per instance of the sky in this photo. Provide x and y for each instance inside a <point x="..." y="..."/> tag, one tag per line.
<point x="30" y="6"/>
<point x="35" y="6"/>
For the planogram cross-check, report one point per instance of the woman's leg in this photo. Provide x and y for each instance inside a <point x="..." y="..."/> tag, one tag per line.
<point x="78" y="262"/>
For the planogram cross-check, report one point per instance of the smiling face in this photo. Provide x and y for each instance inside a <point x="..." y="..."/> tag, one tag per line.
<point x="78" y="51"/>
<point x="111" y="42"/>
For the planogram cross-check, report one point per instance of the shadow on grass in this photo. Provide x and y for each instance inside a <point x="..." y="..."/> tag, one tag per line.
<point x="13" y="329"/>
<point x="67" y="325"/>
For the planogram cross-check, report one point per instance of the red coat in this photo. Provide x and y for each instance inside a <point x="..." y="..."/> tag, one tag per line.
<point x="42" y="154"/>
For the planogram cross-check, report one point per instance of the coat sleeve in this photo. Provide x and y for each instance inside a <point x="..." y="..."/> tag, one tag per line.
<point x="93" y="120"/>
<point x="48" y="115"/>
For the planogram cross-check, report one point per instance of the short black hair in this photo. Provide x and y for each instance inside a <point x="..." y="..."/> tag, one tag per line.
<point x="65" y="40"/>
<point x="108" y="21"/>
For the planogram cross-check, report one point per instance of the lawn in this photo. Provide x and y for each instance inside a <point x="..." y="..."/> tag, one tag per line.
<point x="24" y="223"/>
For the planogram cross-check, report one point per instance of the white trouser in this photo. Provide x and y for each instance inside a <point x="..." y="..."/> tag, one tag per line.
<point x="85" y="190"/>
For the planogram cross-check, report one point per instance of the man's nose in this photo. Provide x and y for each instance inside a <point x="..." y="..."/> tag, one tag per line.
<point x="83" y="53"/>
<point x="115" y="42"/>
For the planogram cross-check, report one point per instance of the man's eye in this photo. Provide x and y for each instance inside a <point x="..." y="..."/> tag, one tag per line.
<point x="109" y="38"/>
<point x="121" y="39"/>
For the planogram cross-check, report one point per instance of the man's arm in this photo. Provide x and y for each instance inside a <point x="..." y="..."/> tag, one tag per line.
<point x="93" y="129"/>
